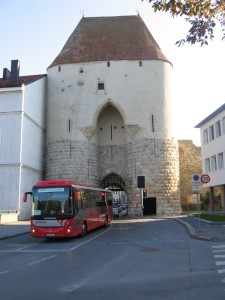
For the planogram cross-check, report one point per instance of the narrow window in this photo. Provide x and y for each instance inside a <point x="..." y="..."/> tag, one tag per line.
<point x="153" y="125"/>
<point x="69" y="125"/>
<point x="59" y="68"/>
<point x="211" y="133"/>
<point x="205" y="136"/>
<point x="108" y="63"/>
<point x="220" y="161"/>
<point x="223" y="124"/>
<point x="207" y="165"/>
<point x="218" y="129"/>
<point x="140" y="63"/>
<point x="214" y="165"/>
<point x="101" y="86"/>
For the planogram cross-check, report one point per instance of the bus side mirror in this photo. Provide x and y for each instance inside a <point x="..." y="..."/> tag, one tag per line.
<point x="25" y="196"/>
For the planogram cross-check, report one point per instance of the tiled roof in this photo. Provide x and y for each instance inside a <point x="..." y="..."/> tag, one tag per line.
<point x="108" y="39"/>
<point x="211" y="116"/>
<point x="22" y="80"/>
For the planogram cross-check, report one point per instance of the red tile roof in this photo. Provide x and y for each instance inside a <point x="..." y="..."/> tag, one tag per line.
<point x="22" y="80"/>
<point x="108" y="39"/>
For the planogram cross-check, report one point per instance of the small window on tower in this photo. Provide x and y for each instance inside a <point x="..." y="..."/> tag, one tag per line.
<point x="108" y="63"/>
<point x="101" y="86"/>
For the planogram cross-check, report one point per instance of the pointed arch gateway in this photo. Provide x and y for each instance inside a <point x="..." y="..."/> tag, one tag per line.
<point x="113" y="182"/>
<point x="110" y="126"/>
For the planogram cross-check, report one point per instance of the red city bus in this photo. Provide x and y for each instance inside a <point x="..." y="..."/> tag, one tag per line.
<point x="62" y="208"/>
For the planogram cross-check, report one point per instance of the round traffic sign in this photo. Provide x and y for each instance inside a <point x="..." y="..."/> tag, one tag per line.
<point x="205" y="178"/>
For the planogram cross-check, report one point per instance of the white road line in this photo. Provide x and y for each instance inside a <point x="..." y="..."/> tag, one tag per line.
<point x="4" y="272"/>
<point x="219" y="251"/>
<point x="218" y="247"/>
<point x="221" y="271"/>
<point x="23" y="250"/>
<point x="79" y="245"/>
<point x="27" y="247"/>
<point x="220" y="263"/>
<point x="41" y="260"/>
<point x="219" y="256"/>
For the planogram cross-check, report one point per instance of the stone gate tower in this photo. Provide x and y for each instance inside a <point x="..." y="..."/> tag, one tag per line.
<point x="109" y="113"/>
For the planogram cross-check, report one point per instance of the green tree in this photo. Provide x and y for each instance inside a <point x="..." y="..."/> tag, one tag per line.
<point x="203" y="16"/>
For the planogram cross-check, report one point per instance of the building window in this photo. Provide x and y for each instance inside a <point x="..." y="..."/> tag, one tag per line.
<point x="140" y="63"/>
<point x="220" y="161"/>
<point x="205" y="136"/>
<point x="214" y="165"/>
<point x="211" y="133"/>
<point x="101" y="86"/>
<point x="207" y="165"/>
<point x="218" y="128"/>
<point x="108" y="63"/>
<point x="223" y="124"/>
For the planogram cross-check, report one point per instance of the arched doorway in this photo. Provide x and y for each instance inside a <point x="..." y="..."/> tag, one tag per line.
<point x="117" y="185"/>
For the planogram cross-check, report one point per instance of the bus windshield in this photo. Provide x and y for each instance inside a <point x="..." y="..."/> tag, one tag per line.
<point x="52" y="202"/>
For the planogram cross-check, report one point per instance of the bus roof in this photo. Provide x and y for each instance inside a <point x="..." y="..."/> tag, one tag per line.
<point x="62" y="182"/>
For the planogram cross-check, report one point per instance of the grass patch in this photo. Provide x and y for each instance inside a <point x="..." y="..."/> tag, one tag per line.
<point x="212" y="218"/>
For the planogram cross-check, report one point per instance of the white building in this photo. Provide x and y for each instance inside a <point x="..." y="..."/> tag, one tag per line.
<point x="22" y="134"/>
<point x="212" y="130"/>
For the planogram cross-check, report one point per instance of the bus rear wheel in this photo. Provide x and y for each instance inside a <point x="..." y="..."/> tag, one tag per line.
<point x="106" y="222"/>
<point x="84" y="229"/>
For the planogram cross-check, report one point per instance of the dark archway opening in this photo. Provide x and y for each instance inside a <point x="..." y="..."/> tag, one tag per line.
<point x="116" y="184"/>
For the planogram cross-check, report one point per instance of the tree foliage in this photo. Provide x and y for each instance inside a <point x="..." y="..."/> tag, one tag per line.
<point x="202" y="15"/>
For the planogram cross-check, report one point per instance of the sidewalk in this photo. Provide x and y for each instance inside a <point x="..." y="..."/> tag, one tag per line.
<point x="198" y="229"/>
<point x="203" y="230"/>
<point x="15" y="228"/>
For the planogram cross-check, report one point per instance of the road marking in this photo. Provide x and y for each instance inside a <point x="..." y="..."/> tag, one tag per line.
<point x="218" y="246"/>
<point x="218" y="251"/>
<point x="219" y="256"/>
<point x="77" y="245"/>
<point x="221" y="271"/>
<point x="4" y="272"/>
<point x="220" y="263"/>
<point x="41" y="260"/>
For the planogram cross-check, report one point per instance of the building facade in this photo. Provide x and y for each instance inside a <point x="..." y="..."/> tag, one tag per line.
<point x="109" y="113"/>
<point x="212" y="130"/>
<point x="22" y="136"/>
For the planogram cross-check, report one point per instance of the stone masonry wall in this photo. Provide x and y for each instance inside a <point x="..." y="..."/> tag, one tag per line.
<point x="190" y="163"/>
<point x="158" y="161"/>
<point x="72" y="160"/>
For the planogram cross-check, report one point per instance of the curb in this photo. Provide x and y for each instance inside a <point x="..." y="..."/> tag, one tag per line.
<point x="192" y="231"/>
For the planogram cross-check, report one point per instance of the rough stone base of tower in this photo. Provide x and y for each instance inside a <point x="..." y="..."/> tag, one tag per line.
<point x="158" y="161"/>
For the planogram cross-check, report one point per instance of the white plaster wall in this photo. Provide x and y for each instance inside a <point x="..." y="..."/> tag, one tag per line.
<point x="35" y="101"/>
<point x="10" y="129"/>
<point x="11" y="99"/>
<point x="28" y="179"/>
<point x="137" y="92"/>
<point x="213" y="148"/>
<point x="33" y="132"/>
<point x="9" y="187"/>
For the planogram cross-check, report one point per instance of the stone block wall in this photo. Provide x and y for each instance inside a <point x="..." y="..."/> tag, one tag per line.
<point x="190" y="163"/>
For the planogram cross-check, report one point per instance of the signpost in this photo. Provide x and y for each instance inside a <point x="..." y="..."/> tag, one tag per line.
<point x="197" y="180"/>
<point x="196" y="188"/>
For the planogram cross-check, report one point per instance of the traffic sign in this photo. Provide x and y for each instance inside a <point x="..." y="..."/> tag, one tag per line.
<point x="205" y="178"/>
<point x="196" y="183"/>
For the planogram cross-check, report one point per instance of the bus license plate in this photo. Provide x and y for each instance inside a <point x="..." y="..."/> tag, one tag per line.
<point x="50" y="234"/>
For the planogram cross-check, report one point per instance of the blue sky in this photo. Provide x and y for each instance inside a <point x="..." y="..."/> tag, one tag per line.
<point x="34" y="31"/>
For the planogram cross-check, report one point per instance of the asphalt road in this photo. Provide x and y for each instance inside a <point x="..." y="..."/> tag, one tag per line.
<point x="131" y="259"/>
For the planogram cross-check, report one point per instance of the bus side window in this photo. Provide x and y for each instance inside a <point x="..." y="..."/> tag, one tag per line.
<point x="75" y="198"/>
